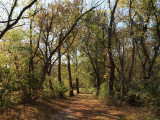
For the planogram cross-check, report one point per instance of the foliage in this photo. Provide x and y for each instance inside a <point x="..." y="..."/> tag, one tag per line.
<point x="60" y="89"/>
<point x="103" y="93"/>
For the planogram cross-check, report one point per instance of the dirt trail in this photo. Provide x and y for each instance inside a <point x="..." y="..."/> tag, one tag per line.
<point x="88" y="107"/>
<point x="79" y="107"/>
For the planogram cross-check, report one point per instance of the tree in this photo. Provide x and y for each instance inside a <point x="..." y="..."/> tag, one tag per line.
<point x="51" y="17"/>
<point x="70" y="76"/>
<point x="109" y="47"/>
<point x="93" y="43"/>
<point x="11" y="21"/>
<point x="77" y="81"/>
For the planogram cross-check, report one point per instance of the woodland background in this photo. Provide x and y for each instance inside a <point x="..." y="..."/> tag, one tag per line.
<point x="110" y="48"/>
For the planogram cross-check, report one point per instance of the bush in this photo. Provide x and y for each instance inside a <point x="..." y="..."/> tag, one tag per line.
<point x="60" y="89"/>
<point x="103" y="92"/>
<point x="135" y="95"/>
<point x="30" y="85"/>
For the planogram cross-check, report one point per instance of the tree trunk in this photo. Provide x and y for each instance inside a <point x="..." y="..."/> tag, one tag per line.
<point x="59" y="69"/>
<point x="77" y="85"/>
<point x="96" y="71"/>
<point x="77" y="82"/>
<point x="132" y="64"/>
<point x="59" y="64"/>
<point x="112" y="67"/>
<point x="70" y="77"/>
<point x="50" y="81"/>
<point x="98" y="84"/>
<point x="122" y="80"/>
<point x="31" y="66"/>
<point x="133" y="43"/>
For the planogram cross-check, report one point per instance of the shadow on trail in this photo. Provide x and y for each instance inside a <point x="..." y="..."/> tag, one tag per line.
<point x="85" y="106"/>
<point x="41" y="110"/>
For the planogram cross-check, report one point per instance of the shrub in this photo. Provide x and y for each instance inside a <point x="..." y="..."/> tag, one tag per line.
<point x="135" y="95"/>
<point x="103" y="92"/>
<point x="59" y="89"/>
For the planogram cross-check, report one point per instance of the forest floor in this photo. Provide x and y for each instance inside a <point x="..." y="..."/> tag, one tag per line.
<point x="83" y="106"/>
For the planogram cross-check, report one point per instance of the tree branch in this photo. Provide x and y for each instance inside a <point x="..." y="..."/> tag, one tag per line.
<point x="9" y="26"/>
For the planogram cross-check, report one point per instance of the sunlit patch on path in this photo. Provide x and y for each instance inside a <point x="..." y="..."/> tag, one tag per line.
<point x="87" y="106"/>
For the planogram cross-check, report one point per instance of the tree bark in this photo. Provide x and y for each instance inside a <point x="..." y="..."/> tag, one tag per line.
<point x="59" y="64"/>
<point x="50" y="81"/>
<point x="77" y="81"/>
<point x="70" y="77"/>
<point x="77" y="85"/>
<point x="122" y="77"/>
<point x="133" y="43"/>
<point x="112" y="66"/>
